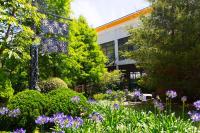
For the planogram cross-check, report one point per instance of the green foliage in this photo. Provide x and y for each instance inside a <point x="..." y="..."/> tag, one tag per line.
<point x="114" y="96"/>
<point x="83" y="64"/>
<point x="168" y="45"/>
<point x="16" y="36"/>
<point x="128" y="120"/>
<point x="31" y="104"/>
<point x="60" y="101"/>
<point x="110" y="80"/>
<point x="6" y="90"/>
<point x="100" y="96"/>
<point x="52" y="84"/>
<point x="85" y="61"/>
<point x="59" y="7"/>
<point x="85" y="52"/>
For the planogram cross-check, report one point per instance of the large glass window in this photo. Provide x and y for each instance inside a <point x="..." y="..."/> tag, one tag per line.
<point x="109" y="50"/>
<point x="122" y="47"/>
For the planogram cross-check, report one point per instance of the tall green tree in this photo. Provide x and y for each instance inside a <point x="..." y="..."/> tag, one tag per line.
<point x="17" y="19"/>
<point x="84" y="50"/>
<point x="84" y="63"/>
<point x="168" y="45"/>
<point x="16" y="36"/>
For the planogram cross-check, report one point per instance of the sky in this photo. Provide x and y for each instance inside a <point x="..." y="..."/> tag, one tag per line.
<point x="99" y="12"/>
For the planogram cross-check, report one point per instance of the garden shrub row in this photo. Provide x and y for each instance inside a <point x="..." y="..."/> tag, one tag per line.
<point x="113" y="95"/>
<point x="32" y="104"/>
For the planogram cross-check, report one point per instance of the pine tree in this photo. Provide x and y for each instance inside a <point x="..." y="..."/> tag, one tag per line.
<point x="168" y="46"/>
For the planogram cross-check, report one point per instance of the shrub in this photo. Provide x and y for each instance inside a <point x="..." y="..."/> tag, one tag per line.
<point x="52" y="84"/>
<point x="100" y="96"/>
<point x="6" y="90"/>
<point x="64" y="100"/>
<point x="110" y="80"/>
<point x="31" y="104"/>
<point x="114" y="95"/>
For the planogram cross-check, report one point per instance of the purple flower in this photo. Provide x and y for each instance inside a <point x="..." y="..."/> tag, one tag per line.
<point x="158" y="105"/>
<point x="171" y="94"/>
<point x="57" y="118"/>
<point x="115" y="96"/>
<point x="96" y="117"/>
<point x="75" y="99"/>
<point x="136" y="93"/>
<point x="14" y="113"/>
<point x="194" y="116"/>
<point x="66" y="121"/>
<point x="62" y="120"/>
<point x="21" y="130"/>
<point x="90" y="100"/>
<point x="109" y="91"/>
<point x="59" y="132"/>
<point x="4" y="110"/>
<point x="42" y="120"/>
<point x="197" y="104"/>
<point x="184" y="99"/>
<point x="116" y="106"/>
<point x="77" y="122"/>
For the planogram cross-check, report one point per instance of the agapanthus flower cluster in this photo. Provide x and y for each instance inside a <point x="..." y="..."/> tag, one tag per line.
<point x="14" y="113"/>
<point x="66" y="121"/>
<point x="116" y="106"/>
<point x="109" y="91"/>
<point x="91" y="100"/>
<point x="77" y="122"/>
<point x="59" y="132"/>
<point x="195" y="116"/>
<point x="184" y="99"/>
<point x="11" y="113"/>
<point x="95" y="116"/>
<point x="63" y="121"/>
<point x="75" y="99"/>
<point x="197" y="104"/>
<point x="136" y="93"/>
<point x="158" y="105"/>
<point x="41" y="120"/>
<point x="21" y="130"/>
<point x="4" y="111"/>
<point x="171" y="94"/>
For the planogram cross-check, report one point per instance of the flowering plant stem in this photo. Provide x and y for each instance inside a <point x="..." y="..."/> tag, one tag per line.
<point x="183" y="110"/>
<point x="42" y="129"/>
<point x="170" y="106"/>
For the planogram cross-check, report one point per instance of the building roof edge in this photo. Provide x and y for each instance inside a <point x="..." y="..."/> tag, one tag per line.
<point x="124" y="19"/>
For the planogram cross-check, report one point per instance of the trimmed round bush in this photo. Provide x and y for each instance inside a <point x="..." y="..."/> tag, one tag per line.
<point x="52" y="84"/>
<point x="31" y="104"/>
<point x="67" y="101"/>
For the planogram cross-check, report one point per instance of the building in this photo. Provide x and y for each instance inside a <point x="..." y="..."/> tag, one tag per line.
<point x="112" y="37"/>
